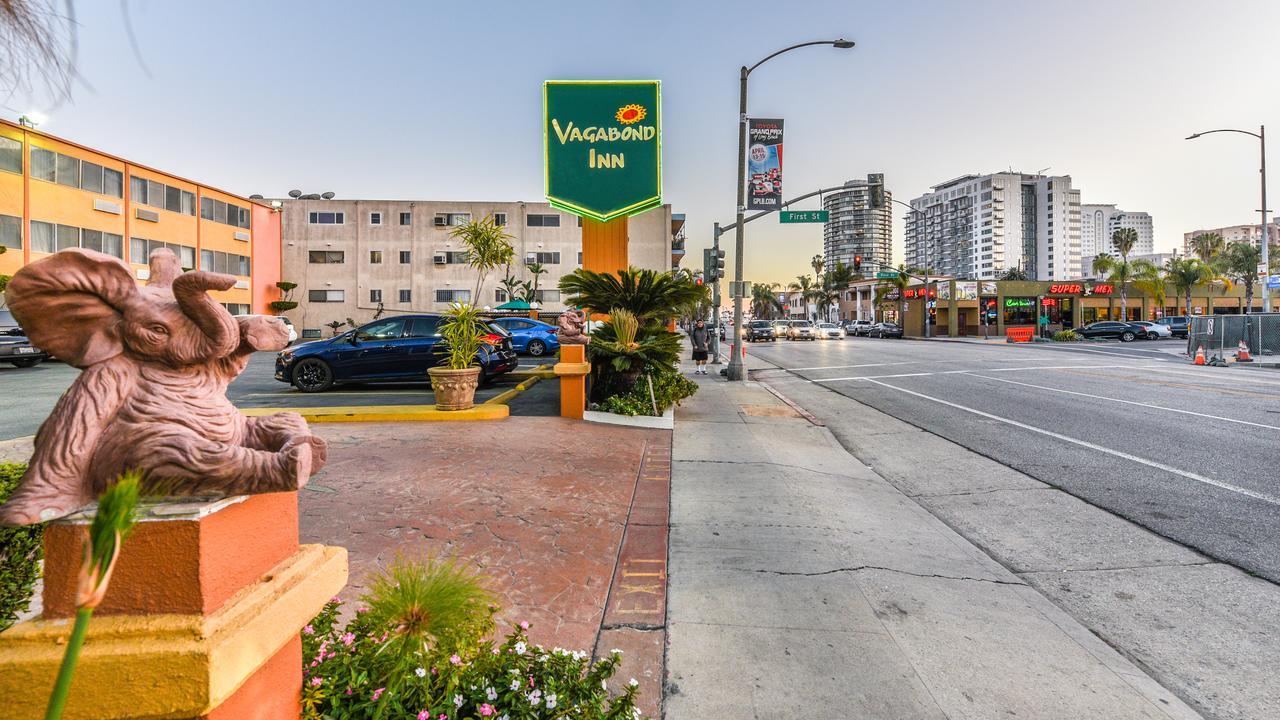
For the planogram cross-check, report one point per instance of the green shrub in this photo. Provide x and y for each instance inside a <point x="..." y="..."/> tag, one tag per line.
<point x="21" y="550"/>
<point x="669" y="388"/>
<point x="1067" y="336"/>
<point x="419" y="650"/>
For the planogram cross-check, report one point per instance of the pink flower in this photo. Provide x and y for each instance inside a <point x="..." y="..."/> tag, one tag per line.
<point x="348" y="690"/>
<point x="309" y="630"/>
<point x="524" y="624"/>
<point x="348" y="638"/>
<point x="486" y="709"/>
<point x="424" y="715"/>
<point x="455" y="659"/>
<point x="378" y="693"/>
<point x="317" y="682"/>
<point x="362" y="610"/>
<point x="336" y="600"/>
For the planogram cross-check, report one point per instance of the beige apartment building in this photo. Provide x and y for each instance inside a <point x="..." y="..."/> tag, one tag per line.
<point x="1235" y="233"/>
<point x="349" y="256"/>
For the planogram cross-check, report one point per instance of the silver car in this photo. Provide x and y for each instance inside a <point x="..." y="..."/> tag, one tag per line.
<point x="801" y="330"/>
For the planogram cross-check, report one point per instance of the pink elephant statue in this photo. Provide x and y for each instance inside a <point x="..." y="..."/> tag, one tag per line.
<point x="156" y="363"/>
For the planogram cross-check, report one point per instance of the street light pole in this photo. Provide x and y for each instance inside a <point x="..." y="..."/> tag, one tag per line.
<point x="737" y="369"/>
<point x="1261" y="135"/>
<point x="928" y="326"/>
<point x="715" y="299"/>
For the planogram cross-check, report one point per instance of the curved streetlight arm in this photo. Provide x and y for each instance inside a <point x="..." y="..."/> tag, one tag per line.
<point x="1210" y="132"/>
<point x="841" y="43"/>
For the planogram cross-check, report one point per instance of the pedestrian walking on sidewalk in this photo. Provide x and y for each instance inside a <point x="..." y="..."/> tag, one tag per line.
<point x="698" y="338"/>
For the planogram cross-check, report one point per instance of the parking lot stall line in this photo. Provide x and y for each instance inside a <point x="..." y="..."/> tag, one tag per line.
<point x="1086" y="444"/>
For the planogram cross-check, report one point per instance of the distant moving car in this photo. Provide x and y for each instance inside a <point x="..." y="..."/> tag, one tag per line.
<point x="860" y="327"/>
<point x="1123" y="331"/>
<point x="15" y="348"/>
<point x="759" y="330"/>
<point x="885" y="330"/>
<point x="780" y="328"/>
<point x="530" y="336"/>
<point x="1179" y="324"/>
<point x="1155" y="331"/>
<point x="801" y="330"/>
<point x="830" y="331"/>
<point x="399" y="348"/>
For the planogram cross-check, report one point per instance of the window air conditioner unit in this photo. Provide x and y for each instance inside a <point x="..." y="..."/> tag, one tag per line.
<point x="530" y="258"/>
<point x="440" y="221"/>
<point x="439" y="259"/>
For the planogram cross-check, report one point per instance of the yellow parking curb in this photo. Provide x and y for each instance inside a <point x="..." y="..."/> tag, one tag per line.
<point x="507" y="396"/>
<point x="388" y="413"/>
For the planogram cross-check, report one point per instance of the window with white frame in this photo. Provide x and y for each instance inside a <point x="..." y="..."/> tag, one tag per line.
<point x="542" y="221"/>
<point x="406" y="296"/>
<point x="326" y="296"/>
<point x="375" y="296"/>
<point x="375" y="218"/>
<point x="444" y="296"/>
<point x="324" y="218"/>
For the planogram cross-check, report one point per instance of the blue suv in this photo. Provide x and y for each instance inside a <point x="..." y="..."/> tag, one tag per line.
<point x="532" y="336"/>
<point x="394" y="348"/>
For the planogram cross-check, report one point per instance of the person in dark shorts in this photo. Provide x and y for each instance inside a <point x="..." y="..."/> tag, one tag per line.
<point x="698" y="337"/>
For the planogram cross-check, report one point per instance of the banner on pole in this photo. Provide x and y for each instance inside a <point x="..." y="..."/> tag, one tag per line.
<point x="764" y="164"/>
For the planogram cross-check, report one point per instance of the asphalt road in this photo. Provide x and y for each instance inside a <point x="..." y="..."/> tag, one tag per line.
<point x="27" y="395"/>
<point x="1190" y="453"/>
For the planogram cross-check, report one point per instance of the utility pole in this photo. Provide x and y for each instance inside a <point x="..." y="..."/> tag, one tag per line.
<point x="718" y="254"/>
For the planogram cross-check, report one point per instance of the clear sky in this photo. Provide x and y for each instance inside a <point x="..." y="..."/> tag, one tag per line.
<point x="434" y="100"/>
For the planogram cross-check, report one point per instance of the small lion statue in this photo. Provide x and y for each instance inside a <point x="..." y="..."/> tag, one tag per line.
<point x="571" y="324"/>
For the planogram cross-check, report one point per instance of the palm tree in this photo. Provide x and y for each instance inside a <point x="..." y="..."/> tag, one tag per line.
<point x="817" y="264"/>
<point x="1013" y="274"/>
<point x="1186" y="274"/>
<point x="1123" y="241"/>
<point x="1121" y="272"/>
<point x="488" y="247"/>
<point x="1238" y="262"/>
<point x="887" y="286"/>
<point x="764" y="300"/>
<point x="805" y="290"/>
<point x="1151" y="281"/>
<point x="649" y="294"/>
<point x="1207" y="246"/>
<point x="537" y="270"/>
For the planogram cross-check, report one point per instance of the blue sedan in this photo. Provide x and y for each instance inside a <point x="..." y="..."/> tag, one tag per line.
<point x="395" y="348"/>
<point x="530" y="336"/>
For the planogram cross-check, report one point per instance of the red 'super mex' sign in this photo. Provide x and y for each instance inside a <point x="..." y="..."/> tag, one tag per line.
<point x="1076" y="288"/>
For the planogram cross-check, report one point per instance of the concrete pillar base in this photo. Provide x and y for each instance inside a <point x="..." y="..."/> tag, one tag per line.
<point x="572" y="370"/>
<point x="201" y="619"/>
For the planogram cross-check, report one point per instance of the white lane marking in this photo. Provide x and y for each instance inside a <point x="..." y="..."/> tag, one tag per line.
<point x="959" y="372"/>
<point x="1234" y="377"/>
<point x="841" y="367"/>
<point x="1035" y="346"/>
<point x="1086" y="444"/>
<point x="1130" y="402"/>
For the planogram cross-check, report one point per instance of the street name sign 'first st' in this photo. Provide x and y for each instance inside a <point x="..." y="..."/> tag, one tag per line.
<point x="803" y="216"/>
<point x="603" y="144"/>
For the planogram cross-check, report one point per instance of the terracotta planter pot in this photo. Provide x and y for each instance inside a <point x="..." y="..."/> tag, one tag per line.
<point x="455" y="389"/>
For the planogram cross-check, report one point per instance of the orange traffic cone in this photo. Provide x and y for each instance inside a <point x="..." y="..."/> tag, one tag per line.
<point x="1242" y="353"/>
<point x="1200" y="355"/>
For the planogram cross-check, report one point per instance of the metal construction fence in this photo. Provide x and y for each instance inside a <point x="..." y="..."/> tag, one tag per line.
<point x="1221" y="334"/>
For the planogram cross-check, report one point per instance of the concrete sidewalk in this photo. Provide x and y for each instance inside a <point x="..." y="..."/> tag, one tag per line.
<point x="802" y="583"/>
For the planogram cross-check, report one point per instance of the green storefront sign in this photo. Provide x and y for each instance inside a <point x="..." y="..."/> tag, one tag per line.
<point x="603" y="143"/>
<point x="803" y="216"/>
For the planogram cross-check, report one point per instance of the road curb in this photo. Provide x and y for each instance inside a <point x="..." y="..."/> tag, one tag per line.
<point x="388" y="413"/>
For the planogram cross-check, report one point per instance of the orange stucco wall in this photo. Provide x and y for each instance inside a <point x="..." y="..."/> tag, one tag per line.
<point x="266" y="257"/>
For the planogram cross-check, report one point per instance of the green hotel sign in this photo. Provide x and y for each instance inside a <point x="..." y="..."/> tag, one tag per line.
<point x="603" y="144"/>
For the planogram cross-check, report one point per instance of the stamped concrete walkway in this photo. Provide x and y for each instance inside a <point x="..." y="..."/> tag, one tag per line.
<point x="804" y="584"/>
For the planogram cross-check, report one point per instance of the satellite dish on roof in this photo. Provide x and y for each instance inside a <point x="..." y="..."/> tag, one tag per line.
<point x="312" y="196"/>
<point x="328" y="196"/>
<point x="255" y="196"/>
<point x="295" y="194"/>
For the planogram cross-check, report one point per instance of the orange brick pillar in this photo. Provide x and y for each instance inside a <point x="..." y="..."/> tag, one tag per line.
<point x="604" y="245"/>
<point x="572" y="370"/>
<point x="201" y="619"/>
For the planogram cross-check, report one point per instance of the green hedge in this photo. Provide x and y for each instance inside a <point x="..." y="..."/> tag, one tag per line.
<point x="21" y="550"/>
<point x="669" y="388"/>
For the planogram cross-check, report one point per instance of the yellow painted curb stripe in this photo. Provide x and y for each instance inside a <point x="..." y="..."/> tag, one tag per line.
<point x="505" y="397"/>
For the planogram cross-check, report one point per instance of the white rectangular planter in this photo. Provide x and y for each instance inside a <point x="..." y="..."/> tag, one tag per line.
<point x="666" y="422"/>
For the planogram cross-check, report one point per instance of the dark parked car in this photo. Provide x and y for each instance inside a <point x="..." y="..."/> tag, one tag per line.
<point x="885" y="330"/>
<point x="759" y="330"/>
<point x="396" y="348"/>
<point x="15" y="348"/>
<point x="530" y="336"/>
<point x="1125" y="332"/>
<point x="1177" y="323"/>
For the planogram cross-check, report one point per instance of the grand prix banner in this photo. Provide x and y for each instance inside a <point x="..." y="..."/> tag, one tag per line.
<point x="764" y="164"/>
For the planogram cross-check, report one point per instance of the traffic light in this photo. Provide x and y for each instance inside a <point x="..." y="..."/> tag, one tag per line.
<point x="875" y="186"/>
<point x="857" y="263"/>
<point x="713" y="262"/>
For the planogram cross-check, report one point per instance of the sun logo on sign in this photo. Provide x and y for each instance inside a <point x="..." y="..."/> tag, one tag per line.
<point x="630" y="114"/>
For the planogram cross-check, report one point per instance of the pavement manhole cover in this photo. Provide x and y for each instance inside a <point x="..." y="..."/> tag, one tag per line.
<point x="769" y="411"/>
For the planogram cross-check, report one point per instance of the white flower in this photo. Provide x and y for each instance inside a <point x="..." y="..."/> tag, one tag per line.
<point x="544" y="658"/>
<point x="635" y="713"/>
<point x="520" y="647"/>
<point x="615" y="651"/>
<point x="515" y="685"/>
<point x="604" y="684"/>
<point x="490" y="694"/>
<point x="420" y="672"/>
<point x="551" y="701"/>
<point x="535" y="697"/>
<point x="505" y="717"/>
<point x="633" y="683"/>
<point x="457" y="701"/>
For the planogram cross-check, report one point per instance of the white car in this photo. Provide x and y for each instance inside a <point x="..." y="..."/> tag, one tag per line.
<point x="1155" y="331"/>
<point x="801" y="330"/>
<point x="830" y="331"/>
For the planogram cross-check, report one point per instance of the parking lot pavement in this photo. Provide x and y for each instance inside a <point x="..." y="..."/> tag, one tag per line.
<point x="27" y="395"/>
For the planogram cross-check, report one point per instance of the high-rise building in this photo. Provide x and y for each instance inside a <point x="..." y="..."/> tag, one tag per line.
<point x="1235" y="233"/>
<point x="855" y="229"/>
<point x="352" y="258"/>
<point x="56" y="194"/>
<point x="1098" y="223"/>
<point x="979" y="226"/>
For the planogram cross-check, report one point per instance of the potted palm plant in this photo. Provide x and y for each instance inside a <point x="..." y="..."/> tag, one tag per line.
<point x="455" y="381"/>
